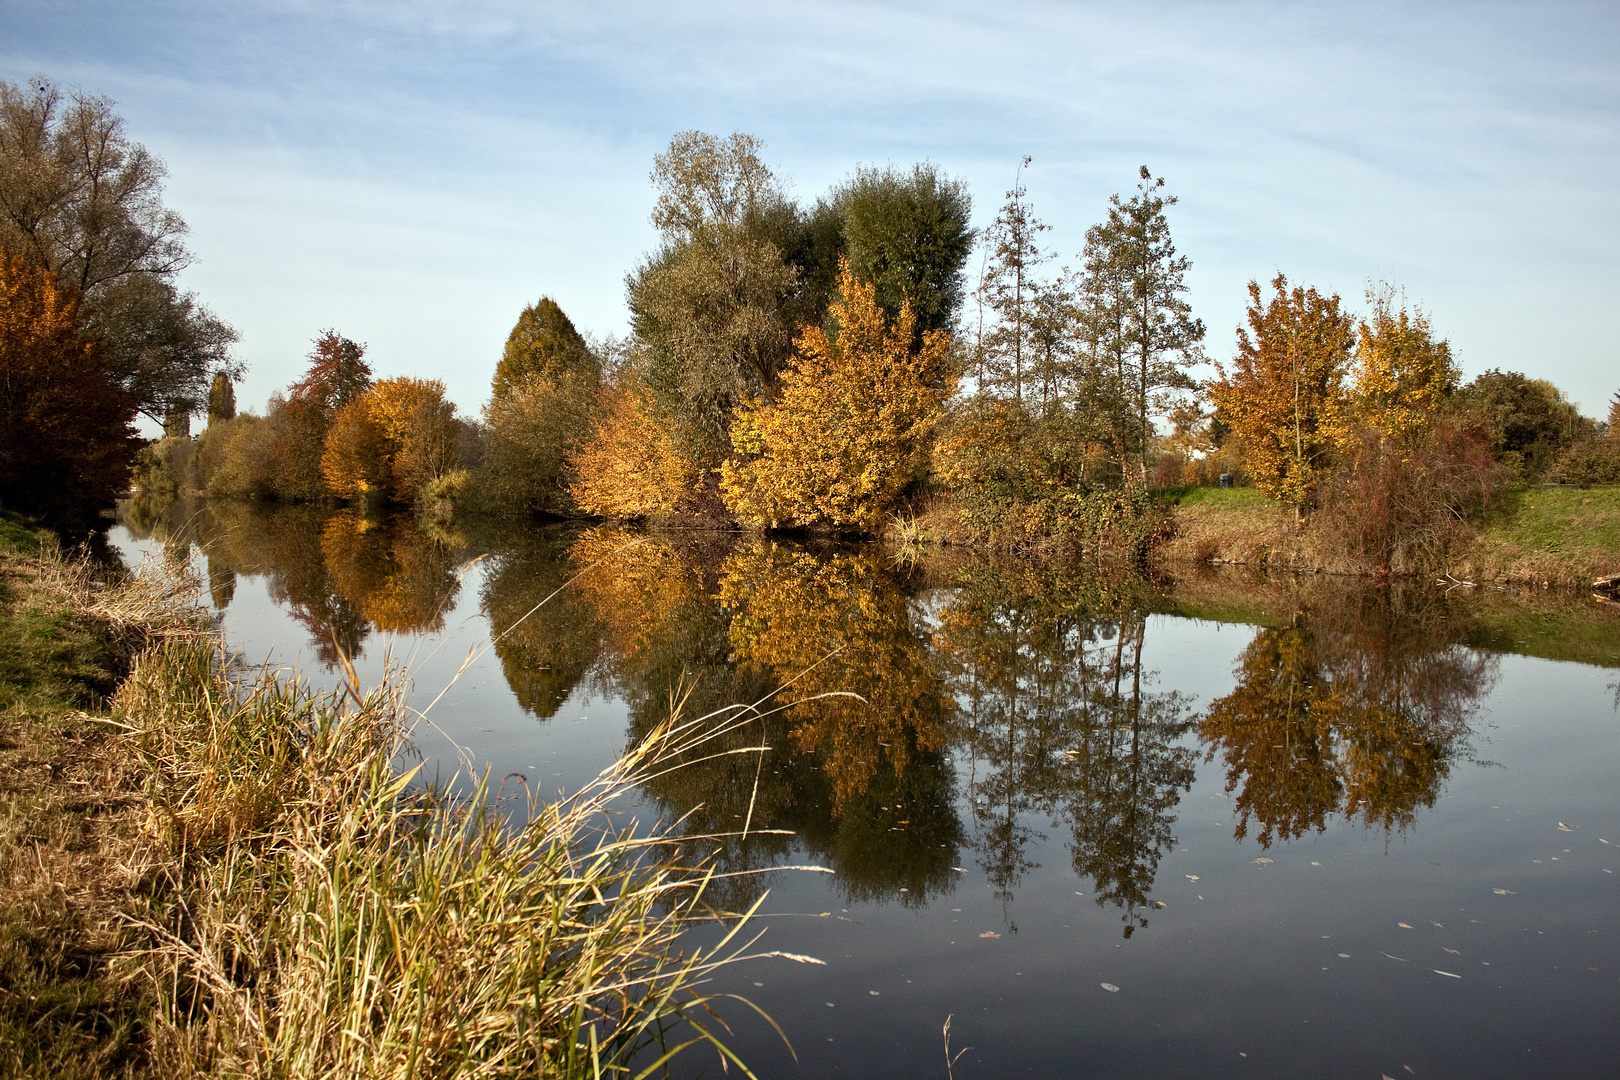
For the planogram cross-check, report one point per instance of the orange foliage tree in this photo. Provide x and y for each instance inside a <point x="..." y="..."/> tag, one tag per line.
<point x="629" y="465"/>
<point x="1284" y="395"/>
<point x="848" y="427"/>
<point x="396" y="437"/>
<point x="66" y="440"/>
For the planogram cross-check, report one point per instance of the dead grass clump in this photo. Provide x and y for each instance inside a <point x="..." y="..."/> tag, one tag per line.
<point x="324" y="916"/>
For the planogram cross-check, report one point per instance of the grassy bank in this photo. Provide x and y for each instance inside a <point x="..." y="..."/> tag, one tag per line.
<point x="211" y="872"/>
<point x="1551" y="536"/>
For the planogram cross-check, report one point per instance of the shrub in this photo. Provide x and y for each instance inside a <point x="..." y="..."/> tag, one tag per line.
<point x="1401" y="508"/>
<point x="629" y="465"/>
<point x="530" y="430"/>
<point x="1591" y="461"/>
<point x="847" y="428"/>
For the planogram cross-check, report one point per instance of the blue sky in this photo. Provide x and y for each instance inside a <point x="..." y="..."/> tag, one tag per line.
<point x="413" y="173"/>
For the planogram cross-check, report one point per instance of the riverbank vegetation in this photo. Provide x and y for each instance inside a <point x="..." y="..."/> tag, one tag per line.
<point x="211" y="871"/>
<point x="827" y="367"/>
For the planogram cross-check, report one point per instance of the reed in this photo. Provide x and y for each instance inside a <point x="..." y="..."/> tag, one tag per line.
<point x="321" y="914"/>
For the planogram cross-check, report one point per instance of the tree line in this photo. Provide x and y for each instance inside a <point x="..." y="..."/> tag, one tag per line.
<point x="832" y="366"/>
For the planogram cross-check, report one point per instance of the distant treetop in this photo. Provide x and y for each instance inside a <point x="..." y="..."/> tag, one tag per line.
<point x="543" y="344"/>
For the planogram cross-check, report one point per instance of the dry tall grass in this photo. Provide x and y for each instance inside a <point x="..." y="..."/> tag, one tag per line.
<point x="324" y="916"/>
<point x="294" y="903"/>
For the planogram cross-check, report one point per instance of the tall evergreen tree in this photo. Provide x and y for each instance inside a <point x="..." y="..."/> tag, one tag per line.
<point x="544" y="344"/>
<point x="221" y="398"/>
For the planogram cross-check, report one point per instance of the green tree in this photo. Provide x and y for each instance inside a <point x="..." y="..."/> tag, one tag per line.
<point x="906" y="232"/>
<point x="1132" y="288"/>
<point x="1009" y="288"/>
<point x="1528" y="421"/>
<point x="714" y="309"/>
<point x="544" y="344"/>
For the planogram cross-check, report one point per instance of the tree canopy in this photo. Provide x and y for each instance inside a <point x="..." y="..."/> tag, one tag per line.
<point x="544" y="344"/>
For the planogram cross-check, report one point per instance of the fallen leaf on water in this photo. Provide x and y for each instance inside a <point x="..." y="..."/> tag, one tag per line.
<point x="1564" y="828"/>
<point x="1386" y="1076"/>
<point x="1453" y="952"/>
<point x="1110" y="987"/>
<point x="1447" y="974"/>
<point x="989" y="933"/>
<point x="1160" y="904"/>
<point x="959" y="870"/>
<point x="1344" y="956"/>
<point x="1315" y="863"/>
<point x="1504" y="892"/>
<point x="1440" y="925"/>
<point x="1192" y="877"/>
<point x="1404" y="926"/>
<point x="1603" y="841"/>
<point x="1402" y="959"/>
<point x="1262" y="861"/>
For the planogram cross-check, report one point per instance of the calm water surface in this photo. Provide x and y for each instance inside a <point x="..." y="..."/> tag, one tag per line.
<point x="1216" y="826"/>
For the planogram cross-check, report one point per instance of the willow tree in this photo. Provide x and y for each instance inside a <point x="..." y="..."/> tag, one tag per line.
<point x="715" y="307"/>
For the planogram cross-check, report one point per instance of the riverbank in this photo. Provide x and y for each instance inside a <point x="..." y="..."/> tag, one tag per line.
<point x="208" y="871"/>
<point x="1557" y="537"/>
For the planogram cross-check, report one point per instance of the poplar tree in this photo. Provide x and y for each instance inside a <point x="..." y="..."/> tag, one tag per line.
<point x="1009" y="288"/>
<point x="1132" y="290"/>
<point x="544" y="344"/>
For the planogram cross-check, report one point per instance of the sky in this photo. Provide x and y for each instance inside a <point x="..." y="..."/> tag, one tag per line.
<point x="412" y="174"/>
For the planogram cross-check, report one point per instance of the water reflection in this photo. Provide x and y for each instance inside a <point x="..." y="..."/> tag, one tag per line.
<point x="1057" y="707"/>
<point x="1358" y="707"/>
<point x="910" y="716"/>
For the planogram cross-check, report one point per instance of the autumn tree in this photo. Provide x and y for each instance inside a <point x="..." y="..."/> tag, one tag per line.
<point x="1132" y="290"/>
<point x="356" y="461"/>
<point x="337" y="373"/>
<point x="1284" y="395"/>
<point x="421" y="429"/>
<point x="1403" y="375"/>
<point x="848" y="428"/>
<point x="66" y="440"/>
<point x="83" y="200"/>
<point x="628" y="465"/>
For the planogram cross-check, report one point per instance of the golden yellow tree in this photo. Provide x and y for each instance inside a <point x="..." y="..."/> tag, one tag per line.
<point x="422" y="432"/>
<point x="1283" y="397"/>
<point x="1402" y="373"/>
<point x="355" y="463"/>
<point x="629" y="465"/>
<point x="848" y="427"/>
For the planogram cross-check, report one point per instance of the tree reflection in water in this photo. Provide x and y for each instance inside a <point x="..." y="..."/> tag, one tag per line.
<point x="1358" y="707"/>
<point x="1047" y="662"/>
<point x="890" y="697"/>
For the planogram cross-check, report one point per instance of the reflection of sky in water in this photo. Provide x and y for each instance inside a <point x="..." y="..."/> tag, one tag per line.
<point x="1301" y="962"/>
